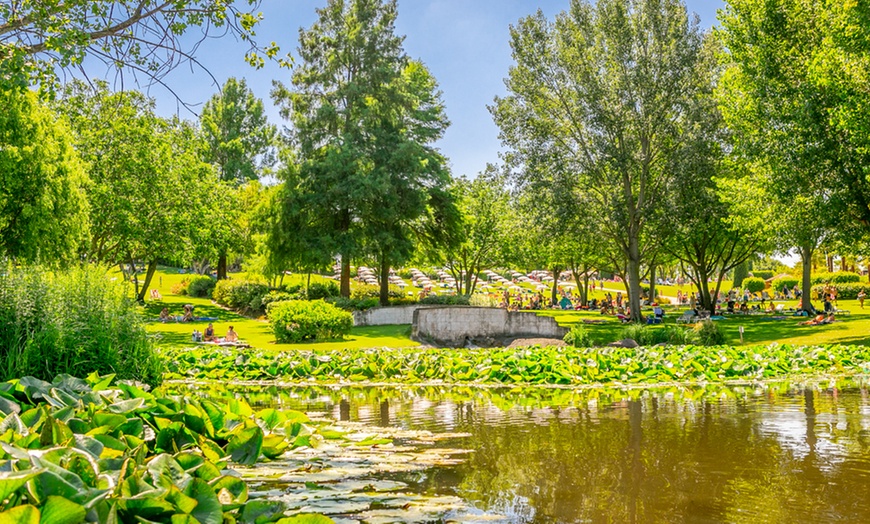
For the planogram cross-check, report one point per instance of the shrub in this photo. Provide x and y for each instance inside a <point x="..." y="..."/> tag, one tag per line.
<point x="298" y="321"/>
<point x="319" y="291"/>
<point x="644" y="289"/>
<point x="754" y="284"/>
<point x="763" y="274"/>
<point x="281" y="296"/>
<point x="354" y="304"/>
<point x="679" y="336"/>
<point x="75" y="321"/>
<point x="201" y="286"/>
<point x="579" y="337"/>
<point x="709" y="333"/>
<point x="446" y="300"/>
<point x="781" y="282"/>
<point x="242" y="295"/>
<point x="844" y="291"/>
<point x="482" y="300"/>
<point x="841" y="277"/>
<point x="644" y="335"/>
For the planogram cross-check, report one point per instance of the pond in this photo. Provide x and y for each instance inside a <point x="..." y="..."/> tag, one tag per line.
<point x="756" y="453"/>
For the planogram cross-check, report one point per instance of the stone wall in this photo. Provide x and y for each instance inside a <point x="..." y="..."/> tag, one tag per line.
<point x="383" y="316"/>
<point x="455" y="326"/>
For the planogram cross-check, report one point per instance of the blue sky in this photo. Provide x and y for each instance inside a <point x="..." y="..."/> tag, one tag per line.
<point x="463" y="42"/>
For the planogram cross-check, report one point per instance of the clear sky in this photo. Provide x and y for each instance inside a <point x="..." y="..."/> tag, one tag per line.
<point x="463" y="42"/>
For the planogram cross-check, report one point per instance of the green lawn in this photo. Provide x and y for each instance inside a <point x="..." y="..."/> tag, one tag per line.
<point x="255" y="332"/>
<point x="758" y="329"/>
<point x="851" y="329"/>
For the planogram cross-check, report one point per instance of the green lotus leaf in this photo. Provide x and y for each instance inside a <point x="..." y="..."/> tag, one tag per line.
<point x="245" y="445"/>
<point x="58" y="510"/>
<point x="208" y="508"/>
<point x="20" y="515"/>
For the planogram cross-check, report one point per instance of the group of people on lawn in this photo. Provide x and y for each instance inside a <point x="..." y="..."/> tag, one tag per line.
<point x="209" y="336"/>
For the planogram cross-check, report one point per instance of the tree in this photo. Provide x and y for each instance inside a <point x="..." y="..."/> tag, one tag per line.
<point x="239" y="142"/>
<point x="601" y="94"/>
<point x="364" y="117"/>
<point x="483" y="203"/>
<point x="785" y="119"/>
<point x="43" y="208"/>
<point x="148" y="180"/>
<point x="38" y="38"/>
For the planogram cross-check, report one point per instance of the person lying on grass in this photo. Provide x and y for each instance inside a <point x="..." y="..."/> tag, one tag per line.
<point x="819" y="320"/>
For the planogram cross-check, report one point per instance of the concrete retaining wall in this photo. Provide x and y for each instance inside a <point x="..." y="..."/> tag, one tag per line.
<point x="383" y="316"/>
<point x="453" y="326"/>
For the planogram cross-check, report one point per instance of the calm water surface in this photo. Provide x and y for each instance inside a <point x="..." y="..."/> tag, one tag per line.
<point x="767" y="453"/>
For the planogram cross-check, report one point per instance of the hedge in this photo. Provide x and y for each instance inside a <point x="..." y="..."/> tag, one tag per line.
<point x="299" y="321"/>
<point x="841" y="277"/>
<point x="764" y="274"/>
<point x="789" y="282"/>
<point x="844" y="291"/>
<point x="201" y="286"/>
<point x="754" y="284"/>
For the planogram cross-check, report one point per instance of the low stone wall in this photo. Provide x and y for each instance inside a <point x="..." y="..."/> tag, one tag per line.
<point x="455" y="326"/>
<point x="383" y="316"/>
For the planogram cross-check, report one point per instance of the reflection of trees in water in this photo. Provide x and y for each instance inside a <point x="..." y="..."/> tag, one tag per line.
<point x="653" y="460"/>
<point x="766" y="454"/>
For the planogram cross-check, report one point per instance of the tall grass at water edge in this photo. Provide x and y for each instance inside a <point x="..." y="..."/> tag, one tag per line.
<point x="74" y="321"/>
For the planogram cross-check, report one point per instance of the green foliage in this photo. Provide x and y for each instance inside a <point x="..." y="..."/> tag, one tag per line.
<point x="180" y="287"/>
<point x="201" y="286"/>
<point x="841" y="277"/>
<point x="548" y="365"/>
<point x="74" y="321"/>
<point x="39" y="40"/>
<point x="740" y="273"/>
<point x="789" y="282"/>
<point x="644" y="334"/>
<point x="446" y="300"/>
<point x="43" y="209"/>
<point x="754" y="284"/>
<point x="579" y="337"/>
<point x="244" y="296"/>
<point x="66" y="440"/>
<point x="764" y="274"/>
<point x="709" y="333"/>
<point x="844" y="291"/>
<point x="300" y="321"/>
<point x="281" y="296"/>
<point x="354" y="304"/>
<point x="319" y="291"/>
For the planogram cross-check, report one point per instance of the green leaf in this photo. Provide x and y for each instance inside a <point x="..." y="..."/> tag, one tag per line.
<point x="262" y="510"/>
<point x="20" y="515"/>
<point x="10" y="482"/>
<point x="245" y="445"/>
<point x="208" y="508"/>
<point x="58" y="510"/>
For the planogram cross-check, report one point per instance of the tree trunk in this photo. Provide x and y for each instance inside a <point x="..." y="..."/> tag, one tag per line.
<point x="385" y="281"/>
<point x="152" y="268"/>
<point x="652" y="283"/>
<point x="135" y="277"/>
<point x="554" y="294"/>
<point x="345" y="276"/>
<point x="222" y="266"/>
<point x="830" y="260"/>
<point x="633" y="287"/>
<point x="807" y="285"/>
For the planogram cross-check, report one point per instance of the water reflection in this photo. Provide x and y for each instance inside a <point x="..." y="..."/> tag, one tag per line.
<point x="766" y="453"/>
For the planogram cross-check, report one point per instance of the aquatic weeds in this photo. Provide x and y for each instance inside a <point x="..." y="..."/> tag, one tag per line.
<point x="547" y="365"/>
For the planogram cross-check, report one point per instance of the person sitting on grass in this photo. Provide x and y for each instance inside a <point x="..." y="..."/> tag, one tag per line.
<point x="231" y="336"/>
<point x="164" y="315"/>
<point x="208" y="334"/>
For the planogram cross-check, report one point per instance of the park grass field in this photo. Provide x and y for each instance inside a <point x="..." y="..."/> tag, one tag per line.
<point x="758" y="329"/>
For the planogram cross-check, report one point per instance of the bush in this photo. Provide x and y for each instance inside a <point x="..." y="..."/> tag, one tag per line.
<point x="354" y="304"/>
<point x="709" y="333"/>
<point x="644" y="335"/>
<point x="842" y="277"/>
<point x="446" y="300"/>
<point x="763" y="274"/>
<point x="75" y="321"/>
<point x="679" y="336"/>
<point x="482" y="300"/>
<point x="579" y="337"/>
<point x="789" y="282"/>
<point x="318" y="291"/>
<point x="298" y="321"/>
<point x="754" y="284"/>
<point x="844" y="291"/>
<point x="201" y="286"/>
<point x="740" y="274"/>
<point x="242" y="295"/>
<point x="281" y="296"/>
